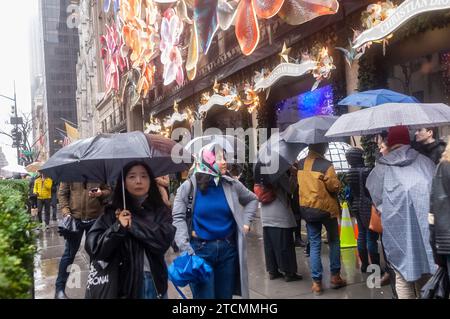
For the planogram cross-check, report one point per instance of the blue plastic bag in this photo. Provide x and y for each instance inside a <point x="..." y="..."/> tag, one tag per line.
<point x="187" y="269"/>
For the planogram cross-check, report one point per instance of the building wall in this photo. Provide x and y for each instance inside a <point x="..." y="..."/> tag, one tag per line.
<point x="61" y="47"/>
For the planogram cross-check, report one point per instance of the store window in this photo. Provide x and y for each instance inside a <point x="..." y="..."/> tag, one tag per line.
<point x="304" y="105"/>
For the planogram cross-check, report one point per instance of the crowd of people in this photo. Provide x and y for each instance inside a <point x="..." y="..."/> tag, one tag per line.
<point x="133" y="225"/>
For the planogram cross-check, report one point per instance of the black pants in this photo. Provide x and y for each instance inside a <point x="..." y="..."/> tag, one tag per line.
<point x="44" y="203"/>
<point x="279" y="250"/>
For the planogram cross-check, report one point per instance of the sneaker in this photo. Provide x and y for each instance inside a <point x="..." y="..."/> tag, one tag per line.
<point x="317" y="288"/>
<point x="275" y="275"/>
<point x="292" y="277"/>
<point x="337" y="282"/>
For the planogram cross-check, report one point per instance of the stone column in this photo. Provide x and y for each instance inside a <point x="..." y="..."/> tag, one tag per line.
<point x="351" y="77"/>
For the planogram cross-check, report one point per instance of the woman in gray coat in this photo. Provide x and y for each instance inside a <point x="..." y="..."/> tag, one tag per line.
<point x="212" y="213"/>
<point x="278" y="222"/>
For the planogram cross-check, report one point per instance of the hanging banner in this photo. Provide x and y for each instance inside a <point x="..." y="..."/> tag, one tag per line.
<point x="216" y="99"/>
<point x="283" y="70"/>
<point x="404" y="12"/>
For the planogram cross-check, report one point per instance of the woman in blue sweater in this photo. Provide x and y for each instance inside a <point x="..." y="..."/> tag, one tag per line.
<point x="222" y="210"/>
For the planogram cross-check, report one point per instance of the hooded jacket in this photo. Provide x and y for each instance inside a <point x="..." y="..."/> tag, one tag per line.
<point x="151" y="232"/>
<point x="400" y="186"/>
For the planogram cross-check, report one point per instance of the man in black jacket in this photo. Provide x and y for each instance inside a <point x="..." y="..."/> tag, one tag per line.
<point x="428" y="145"/>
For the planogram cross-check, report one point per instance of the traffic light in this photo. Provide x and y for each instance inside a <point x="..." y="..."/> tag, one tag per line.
<point x="13" y="109"/>
<point x="16" y="137"/>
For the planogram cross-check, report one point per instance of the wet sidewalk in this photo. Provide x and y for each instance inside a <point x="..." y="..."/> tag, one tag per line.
<point x="51" y="248"/>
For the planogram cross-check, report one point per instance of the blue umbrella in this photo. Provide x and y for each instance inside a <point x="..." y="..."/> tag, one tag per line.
<point x="377" y="97"/>
<point x="187" y="269"/>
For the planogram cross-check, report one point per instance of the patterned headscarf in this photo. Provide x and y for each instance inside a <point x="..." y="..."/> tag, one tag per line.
<point x="206" y="161"/>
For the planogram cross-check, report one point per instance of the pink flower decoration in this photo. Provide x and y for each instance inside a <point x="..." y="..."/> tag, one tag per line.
<point x="171" y="30"/>
<point x="113" y="61"/>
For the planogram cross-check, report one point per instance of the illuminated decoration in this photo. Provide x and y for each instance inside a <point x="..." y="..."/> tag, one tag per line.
<point x="141" y="39"/>
<point x="193" y="54"/>
<point x="224" y="95"/>
<point x="384" y="18"/>
<point x="251" y="100"/>
<point x="113" y="61"/>
<point x="177" y="117"/>
<point x="296" y="12"/>
<point x="154" y="125"/>
<point x="324" y="66"/>
<point x="171" y="30"/>
<point x="285" y="53"/>
<point x="308" y="104"/>
<point x="320" y="64"/>
<point x="215" y="100"/>
<point x="284" y="70"/>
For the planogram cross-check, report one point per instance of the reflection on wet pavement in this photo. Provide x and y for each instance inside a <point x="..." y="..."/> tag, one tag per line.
<point x="51" y="247"/>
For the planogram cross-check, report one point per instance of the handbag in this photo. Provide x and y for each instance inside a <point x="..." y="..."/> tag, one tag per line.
<point x="67" y="226"/>
<point x="103" y="280"/>
<point x="375" y="221"/>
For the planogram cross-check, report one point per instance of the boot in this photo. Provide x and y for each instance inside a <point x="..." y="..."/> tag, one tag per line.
<point x="292" y="277"/>
<point x="275" y="275"/>
<point x="364" y="257"/>
<point x="299" y="242"/>
<point x="337" y="282"/>
<point x="317" y="288"/>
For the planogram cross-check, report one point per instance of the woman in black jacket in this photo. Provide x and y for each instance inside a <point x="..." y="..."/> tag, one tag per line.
<point x="136" y="237"/>
<point x="439" y="218"/>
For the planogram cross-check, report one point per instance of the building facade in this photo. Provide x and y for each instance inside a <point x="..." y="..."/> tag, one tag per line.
<point x="60" y="54"/>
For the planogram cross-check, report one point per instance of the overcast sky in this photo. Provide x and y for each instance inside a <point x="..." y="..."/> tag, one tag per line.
<point x="15" y="18"/>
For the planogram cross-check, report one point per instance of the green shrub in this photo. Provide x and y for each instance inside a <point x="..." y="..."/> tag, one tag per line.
<point x="17" y="240"/>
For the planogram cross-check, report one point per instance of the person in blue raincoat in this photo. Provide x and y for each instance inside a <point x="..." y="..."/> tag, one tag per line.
<point x="400" y="186"/>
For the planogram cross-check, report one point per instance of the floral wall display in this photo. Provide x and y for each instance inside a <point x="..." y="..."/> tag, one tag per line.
<point x="175" y="33"/>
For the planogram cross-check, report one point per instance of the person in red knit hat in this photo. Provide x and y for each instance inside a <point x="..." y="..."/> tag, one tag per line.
<point x="400" y="186"/>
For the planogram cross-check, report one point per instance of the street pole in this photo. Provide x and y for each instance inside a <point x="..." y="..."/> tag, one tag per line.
<point x="17" y="126"/>
<point x="15" y="114"/>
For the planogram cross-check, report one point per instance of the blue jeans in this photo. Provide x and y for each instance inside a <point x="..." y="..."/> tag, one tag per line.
<point x="72" y="245"/>
<point x="222" y="256"/>
<point x="367" y="239"/>
<point x="149" y="289"/>
<point x="315" y="241"/>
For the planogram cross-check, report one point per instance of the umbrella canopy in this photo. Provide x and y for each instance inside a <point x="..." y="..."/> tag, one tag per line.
<point x="187" y="269"/>
<point x="231" y="144"/>
<point x="377" y="97"/>
<point x="380" y="118"/>
<point x="277" y="156"/>
<point x="15" y="168"/>
<point x="34" y="167"/>
<point x="335" y="154"/>
<point x="101" y="158"/>
<point x="310" y="130"/>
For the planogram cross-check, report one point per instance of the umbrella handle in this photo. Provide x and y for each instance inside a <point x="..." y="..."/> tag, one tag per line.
<point x="123" y="193"/>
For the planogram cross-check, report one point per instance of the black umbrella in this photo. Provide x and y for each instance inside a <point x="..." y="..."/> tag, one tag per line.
<point x="275" y="157"/>
<point x="310" y="130"/>
<point x="101" y="158"/>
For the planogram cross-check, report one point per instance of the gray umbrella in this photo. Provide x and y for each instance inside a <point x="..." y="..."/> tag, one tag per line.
<point x="310" y="130"/>
<point x="379" y="118"/>
<point x="276" y="156"/>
